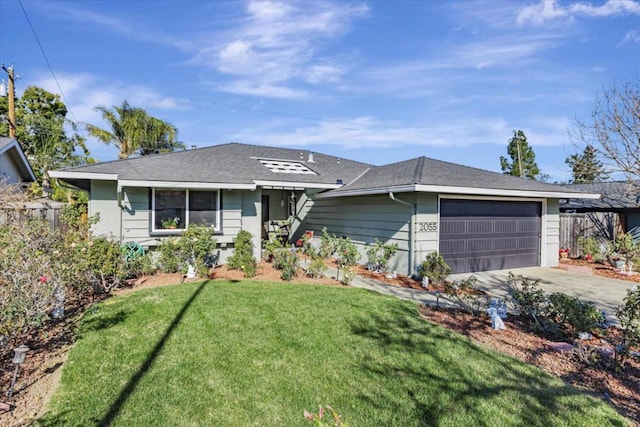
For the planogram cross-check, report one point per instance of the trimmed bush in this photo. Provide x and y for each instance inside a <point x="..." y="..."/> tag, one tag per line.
<point x="435" y="268"/>
<point x="242" y="258"/>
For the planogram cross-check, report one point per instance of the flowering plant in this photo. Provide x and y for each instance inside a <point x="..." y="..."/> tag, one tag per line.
<point x="171" y="222"/>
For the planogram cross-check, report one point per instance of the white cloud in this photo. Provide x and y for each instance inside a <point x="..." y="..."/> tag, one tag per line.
<point x="548" y="10"/>
<point x="632" y="36"/>
<point x="137" y="30"/>
<point x="245" y="87"/>
<point x="276" y="44"/>
<point x="372" y="133"/>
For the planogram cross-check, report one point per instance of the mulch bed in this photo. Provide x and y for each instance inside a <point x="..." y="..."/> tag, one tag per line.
<point x="602" y="269"/>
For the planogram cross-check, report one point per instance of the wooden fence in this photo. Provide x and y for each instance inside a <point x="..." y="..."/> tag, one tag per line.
<point x="18" y="212"/>
<point x="602" y="225"/>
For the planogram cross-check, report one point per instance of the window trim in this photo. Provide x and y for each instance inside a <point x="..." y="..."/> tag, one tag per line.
<point x="165" y="231"/>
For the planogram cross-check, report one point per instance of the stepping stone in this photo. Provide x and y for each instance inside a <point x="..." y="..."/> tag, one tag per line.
<point x="560" y="346"/>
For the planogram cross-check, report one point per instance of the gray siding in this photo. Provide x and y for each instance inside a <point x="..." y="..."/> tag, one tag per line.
<point x="550" y="233"/>
<point x="8" y="169"/>
<point x="104" y="204"/>
<point x="136" y="216"/>
<point x="132" y="220"/>
<point x="362" y="219"/>
<point x="425" y="234"/>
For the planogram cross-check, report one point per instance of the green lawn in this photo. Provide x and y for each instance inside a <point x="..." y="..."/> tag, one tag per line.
<point x="259" y="354"/>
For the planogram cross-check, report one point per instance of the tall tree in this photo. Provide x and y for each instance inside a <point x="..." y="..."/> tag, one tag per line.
<point x="614" y="127"/>
<point x="586" y="167"/>
<point x="523" y="159"/>
<point x="41" y="130"/>
<point x="133" y="131"/>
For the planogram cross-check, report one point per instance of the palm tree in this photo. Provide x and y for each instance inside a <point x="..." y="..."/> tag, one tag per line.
<point x="133" y="131"/>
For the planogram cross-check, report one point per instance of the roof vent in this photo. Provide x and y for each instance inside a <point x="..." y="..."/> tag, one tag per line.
<point x="310" y="160"/>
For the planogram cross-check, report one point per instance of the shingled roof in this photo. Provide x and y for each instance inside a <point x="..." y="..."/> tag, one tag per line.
<point x="426" y="172"/>
<point x="249" y="165"/>
<point x="615" y="195"/>
<point x="231" y="163"/>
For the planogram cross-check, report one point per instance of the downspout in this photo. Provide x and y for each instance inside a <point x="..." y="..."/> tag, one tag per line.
<point x="412" y="227"/>
<point x="119" y="190"/>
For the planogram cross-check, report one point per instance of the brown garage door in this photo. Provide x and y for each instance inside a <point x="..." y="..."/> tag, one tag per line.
<point x="482" y="235"/>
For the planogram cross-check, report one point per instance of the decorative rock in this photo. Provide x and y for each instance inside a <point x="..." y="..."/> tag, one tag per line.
<point x="560" y="346"/>
<point x="604" y="351"/>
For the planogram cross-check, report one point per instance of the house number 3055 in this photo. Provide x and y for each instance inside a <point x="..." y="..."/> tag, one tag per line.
<point x="427" y="226"/>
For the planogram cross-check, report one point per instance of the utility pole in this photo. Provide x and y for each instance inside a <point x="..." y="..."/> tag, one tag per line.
<point x="519" y="158"/>
<point x="12" y="101"/>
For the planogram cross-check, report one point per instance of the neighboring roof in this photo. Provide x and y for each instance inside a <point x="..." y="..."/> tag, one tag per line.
<point x="430" y="175"/>
<point x="615" y="195"/>
<point x="12" y="148"/>
<point x="230" y="164"/>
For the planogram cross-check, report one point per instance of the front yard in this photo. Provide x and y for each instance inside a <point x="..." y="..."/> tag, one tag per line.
<point x="254" y="353"/>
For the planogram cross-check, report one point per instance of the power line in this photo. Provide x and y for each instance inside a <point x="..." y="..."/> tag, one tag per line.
<point x="46" y="59"/>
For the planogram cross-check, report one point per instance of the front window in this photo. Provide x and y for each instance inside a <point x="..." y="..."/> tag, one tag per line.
<point x="176" y="209"/>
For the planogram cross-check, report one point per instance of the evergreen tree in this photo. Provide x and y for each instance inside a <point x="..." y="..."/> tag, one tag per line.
<point x="523" y="159"/>
<point x="586" y="167"/>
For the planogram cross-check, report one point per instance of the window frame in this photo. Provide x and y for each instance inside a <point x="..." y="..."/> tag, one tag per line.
<point x="187" y="219"/>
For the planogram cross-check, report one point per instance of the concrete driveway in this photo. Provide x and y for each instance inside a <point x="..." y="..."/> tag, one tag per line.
<point x="606" y="294"/>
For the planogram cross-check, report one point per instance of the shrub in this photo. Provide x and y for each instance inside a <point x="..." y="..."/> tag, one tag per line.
<point x="317" y="266"/>
<point x="590" y="246"/>
<point x="556" y="314"/>
<point x="328" y="244"/>
<point x="286" y="261"/>
<point x="347" y="252"/>
<point x="529" y="300"/>
<point x="379" y="254"/>
<point x="170" y="258"/>
<point x="627" y="246"/>
<point x="629" y="316"/>
<point x="465" y="295"/>
<point x="435" y="268"/>
<point x="106" y="265"/>
<point x="270" y="247"/>
<point x="348" y="275"/>
<point x="572" y="315"/>
<point x="242" y="258"/>
<point x="196" y="246"/>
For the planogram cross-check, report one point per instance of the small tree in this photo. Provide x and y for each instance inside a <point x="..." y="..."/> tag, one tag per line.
<point x="523" y="159"/>
<point x="380" y="253"/>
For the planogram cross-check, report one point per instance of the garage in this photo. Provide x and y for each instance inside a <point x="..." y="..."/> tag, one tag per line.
<point x="484" y="235"/>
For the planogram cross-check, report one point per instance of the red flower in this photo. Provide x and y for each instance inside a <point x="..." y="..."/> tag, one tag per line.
<point x="43" y="279"/>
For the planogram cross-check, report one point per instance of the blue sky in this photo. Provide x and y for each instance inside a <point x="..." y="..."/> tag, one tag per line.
<point x="378" y="81"/>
